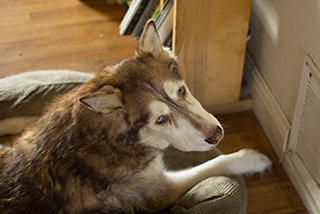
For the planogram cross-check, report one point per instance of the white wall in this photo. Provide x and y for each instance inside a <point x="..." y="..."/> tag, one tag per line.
<point x="283" y="32"/>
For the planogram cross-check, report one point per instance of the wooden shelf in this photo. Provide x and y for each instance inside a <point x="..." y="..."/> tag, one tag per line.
<point x="209" y="37"/>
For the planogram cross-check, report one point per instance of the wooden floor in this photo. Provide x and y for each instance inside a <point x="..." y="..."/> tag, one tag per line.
<point x="83" y="36"/>
<point x="272" y="192"/>
<point x="60" y="34"/>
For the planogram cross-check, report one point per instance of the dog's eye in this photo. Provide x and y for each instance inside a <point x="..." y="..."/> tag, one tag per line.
<point x="161" y="120"/>
<point x="182" y="91"/>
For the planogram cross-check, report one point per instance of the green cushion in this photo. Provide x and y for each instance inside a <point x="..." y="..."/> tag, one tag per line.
<point x="218" y="194"/>
<point x="25" y="95"/>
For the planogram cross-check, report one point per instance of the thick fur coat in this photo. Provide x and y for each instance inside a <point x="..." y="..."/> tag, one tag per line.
<point x="97" y="148"/>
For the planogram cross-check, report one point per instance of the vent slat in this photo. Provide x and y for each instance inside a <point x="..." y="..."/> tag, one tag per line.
<point x="311" y="118"/>
<point x="308" y="138"/>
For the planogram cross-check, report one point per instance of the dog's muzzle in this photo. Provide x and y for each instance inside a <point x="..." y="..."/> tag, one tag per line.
<point x="216" y="137"/>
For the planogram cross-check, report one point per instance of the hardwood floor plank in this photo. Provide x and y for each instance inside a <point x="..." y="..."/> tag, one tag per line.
<point x="273" y="198"/>
<point x="30" y="6"/>
<point x="70" y="40"/>
<point x="10" y="21"/>
<point x="79" y="14"/>
<point x="87" y="40"/>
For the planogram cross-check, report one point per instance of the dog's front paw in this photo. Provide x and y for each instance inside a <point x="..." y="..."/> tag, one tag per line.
<point x="247" y="161"/>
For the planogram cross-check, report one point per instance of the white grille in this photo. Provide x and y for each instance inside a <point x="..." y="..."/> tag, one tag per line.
<point x="305" y="136"/>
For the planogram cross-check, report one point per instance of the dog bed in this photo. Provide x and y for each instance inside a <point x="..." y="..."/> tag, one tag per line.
<point x="24" y="96"/>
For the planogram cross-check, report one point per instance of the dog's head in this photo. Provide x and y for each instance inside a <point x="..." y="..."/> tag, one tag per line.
<point x="146" y="96"/>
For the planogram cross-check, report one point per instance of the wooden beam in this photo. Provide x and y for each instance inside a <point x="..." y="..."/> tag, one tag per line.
<point x="210" y="41"/>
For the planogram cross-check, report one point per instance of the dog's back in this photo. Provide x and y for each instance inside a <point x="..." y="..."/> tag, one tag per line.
<point x="63" y="162"/>
<point x="97" y="148"/>
<point x="85" y="153"/>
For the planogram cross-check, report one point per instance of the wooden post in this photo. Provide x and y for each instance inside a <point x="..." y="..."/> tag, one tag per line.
<point x="209" y="38"/>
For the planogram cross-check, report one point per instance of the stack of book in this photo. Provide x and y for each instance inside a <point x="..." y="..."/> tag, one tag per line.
<point x="140" y="11"/>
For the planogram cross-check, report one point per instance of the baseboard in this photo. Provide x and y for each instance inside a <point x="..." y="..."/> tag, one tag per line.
<point x="303" y="182"/>
<point x="244" y="104"/>
<point x="267" y="110"/>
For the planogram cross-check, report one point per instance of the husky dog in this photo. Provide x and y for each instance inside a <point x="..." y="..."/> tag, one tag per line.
<point x="97" y="149"/>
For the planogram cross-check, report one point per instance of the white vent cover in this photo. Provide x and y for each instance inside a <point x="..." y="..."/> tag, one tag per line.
<point x="305" y="132"/>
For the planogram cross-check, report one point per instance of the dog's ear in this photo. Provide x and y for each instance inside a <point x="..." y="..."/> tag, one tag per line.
<point x="150" y="42"/>
<point x="106" y="101"/>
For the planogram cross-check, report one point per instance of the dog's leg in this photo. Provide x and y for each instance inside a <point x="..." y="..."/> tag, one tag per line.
<point x="245" y="161"/>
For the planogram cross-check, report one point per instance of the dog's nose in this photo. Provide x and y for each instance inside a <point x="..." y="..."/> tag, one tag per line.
<point x="216" y="137"/>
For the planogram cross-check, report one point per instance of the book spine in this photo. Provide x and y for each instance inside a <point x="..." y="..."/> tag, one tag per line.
<point x="128" y="16"/>
<point x="159" y="19"/>
<point x="146" y="15"/>
<point x="136" y="17"/>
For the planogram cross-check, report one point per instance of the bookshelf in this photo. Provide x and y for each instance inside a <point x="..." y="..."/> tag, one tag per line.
<point x="209" y="37"/>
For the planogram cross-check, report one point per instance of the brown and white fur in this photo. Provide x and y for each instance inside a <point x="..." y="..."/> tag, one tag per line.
<point x="97" y="148"/>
